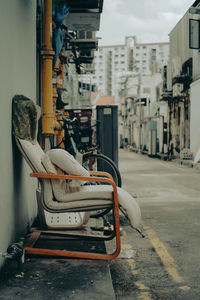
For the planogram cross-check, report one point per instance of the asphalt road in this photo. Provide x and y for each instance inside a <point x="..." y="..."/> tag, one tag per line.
<point x="166" y="264"/>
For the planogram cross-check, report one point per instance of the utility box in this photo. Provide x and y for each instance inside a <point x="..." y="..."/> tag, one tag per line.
<point x="152" y="138"/>
<point x="152" y="143"/>
<point x="107" y="131"/>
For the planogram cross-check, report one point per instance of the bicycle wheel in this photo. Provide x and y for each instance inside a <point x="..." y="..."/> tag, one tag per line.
<point x="100" y="162"/>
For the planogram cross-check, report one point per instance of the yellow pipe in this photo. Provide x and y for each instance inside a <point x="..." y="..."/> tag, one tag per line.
<point x="48" y="119"/>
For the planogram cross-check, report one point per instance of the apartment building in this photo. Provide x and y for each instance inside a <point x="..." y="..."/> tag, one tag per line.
<point x="112" y="62"/>
<point x="150" y="58"/>
<point x="138" y="92"/>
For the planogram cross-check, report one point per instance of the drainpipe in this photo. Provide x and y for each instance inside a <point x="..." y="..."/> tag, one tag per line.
<point x="48" y="118"/>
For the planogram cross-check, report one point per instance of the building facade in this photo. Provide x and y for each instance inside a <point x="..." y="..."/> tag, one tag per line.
<point x="36" y="65"/>
<point x="168" y="123"/>
<point x="18" y="63"/>
<point x="112" y="62"/>
<point x="138" y="92"/>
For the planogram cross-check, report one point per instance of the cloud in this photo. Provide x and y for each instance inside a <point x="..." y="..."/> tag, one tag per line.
<point x="149" y="20"/>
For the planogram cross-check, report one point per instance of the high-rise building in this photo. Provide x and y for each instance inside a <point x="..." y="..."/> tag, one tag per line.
<point x="113" y="61"/>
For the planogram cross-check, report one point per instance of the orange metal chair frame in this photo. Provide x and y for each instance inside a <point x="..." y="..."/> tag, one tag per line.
<point x="29" y="247"/>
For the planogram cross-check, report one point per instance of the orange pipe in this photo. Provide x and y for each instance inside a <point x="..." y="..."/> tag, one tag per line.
<point x="48" y="120"/>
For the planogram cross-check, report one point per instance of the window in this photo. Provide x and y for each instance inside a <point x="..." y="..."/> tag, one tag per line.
<point x="81" y="34"/>
<point x="89" y="34"/>
<point x="179" y="115"/>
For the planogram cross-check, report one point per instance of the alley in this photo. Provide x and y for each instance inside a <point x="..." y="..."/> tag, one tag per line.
<point x="167" y="261"/>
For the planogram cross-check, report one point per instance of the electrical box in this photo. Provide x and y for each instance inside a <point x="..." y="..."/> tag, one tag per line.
<point x="107" y="131"/>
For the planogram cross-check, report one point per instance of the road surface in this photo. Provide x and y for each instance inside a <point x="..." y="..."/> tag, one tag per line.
<point x="166" y="263"/>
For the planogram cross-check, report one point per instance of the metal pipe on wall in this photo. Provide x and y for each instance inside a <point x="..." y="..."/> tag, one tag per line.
<point x="48" y="118"/>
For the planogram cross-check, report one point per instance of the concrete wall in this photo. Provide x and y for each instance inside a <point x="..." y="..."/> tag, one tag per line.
<point x="194" y="116"/>
<point x="179" y="49"/>
<point x="179" y="40"/>
<point x="17" y="76"/>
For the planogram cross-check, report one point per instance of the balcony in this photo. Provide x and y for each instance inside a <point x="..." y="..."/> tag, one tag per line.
<point x="184" y="79"/>
<point x="83" y="15"/>
<point x="84" y="6"/>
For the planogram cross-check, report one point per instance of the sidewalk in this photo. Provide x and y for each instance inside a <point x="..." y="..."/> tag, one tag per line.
<point x="185" y="162"/>
<point x="50" y="278"/>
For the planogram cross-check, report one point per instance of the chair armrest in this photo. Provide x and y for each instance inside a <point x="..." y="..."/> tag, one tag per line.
<point x="106" y="174"/>
<point x="83" y="178"/>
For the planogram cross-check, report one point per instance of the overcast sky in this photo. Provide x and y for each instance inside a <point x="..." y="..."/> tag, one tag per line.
<point x="149" y="20"/>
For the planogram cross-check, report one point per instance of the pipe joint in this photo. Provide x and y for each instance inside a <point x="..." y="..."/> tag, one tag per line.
<point x="47" y="53"/>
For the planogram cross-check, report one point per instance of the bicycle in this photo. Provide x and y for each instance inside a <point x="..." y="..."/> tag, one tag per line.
<point x="89" y="157"/>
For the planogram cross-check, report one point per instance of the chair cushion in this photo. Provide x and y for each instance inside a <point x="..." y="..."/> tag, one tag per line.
<point x="49" y="166"/>
<point x="58" y="161"/>
<point x="96" y="197"/>
<point x="65" y="161"/>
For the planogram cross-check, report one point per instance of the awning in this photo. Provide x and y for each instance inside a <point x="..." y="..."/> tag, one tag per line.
<point x="83" y="21"/>
<point x="83" y="5"/>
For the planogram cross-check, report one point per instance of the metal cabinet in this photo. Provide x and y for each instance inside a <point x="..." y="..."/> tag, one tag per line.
<point x="107" y="131"/>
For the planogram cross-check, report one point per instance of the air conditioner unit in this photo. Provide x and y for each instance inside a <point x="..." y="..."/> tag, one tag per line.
<point x="177" y="89"/>
<point x="85" y="40"/>
<point x="86" y="35"/>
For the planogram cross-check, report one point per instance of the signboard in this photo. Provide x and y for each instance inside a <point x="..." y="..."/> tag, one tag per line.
<point x="83" y="21"/>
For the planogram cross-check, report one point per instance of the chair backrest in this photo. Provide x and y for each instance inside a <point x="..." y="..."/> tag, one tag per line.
<point x="32" y="153"/>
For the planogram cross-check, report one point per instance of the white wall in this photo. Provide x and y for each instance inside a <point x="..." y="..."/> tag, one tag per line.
<point x="17" y="76"/>
<point x="194" y="116"/>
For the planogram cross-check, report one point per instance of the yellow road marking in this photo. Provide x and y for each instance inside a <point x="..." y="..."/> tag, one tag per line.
<point x="132" y="266"/>
<point x="131" y="262"/>
<point x="184" y="288"/>
<point x="125" y="246"/>
<point x="145" y="296"/>
<point x="162" y="252"/>
<point x="141" y="286"/>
